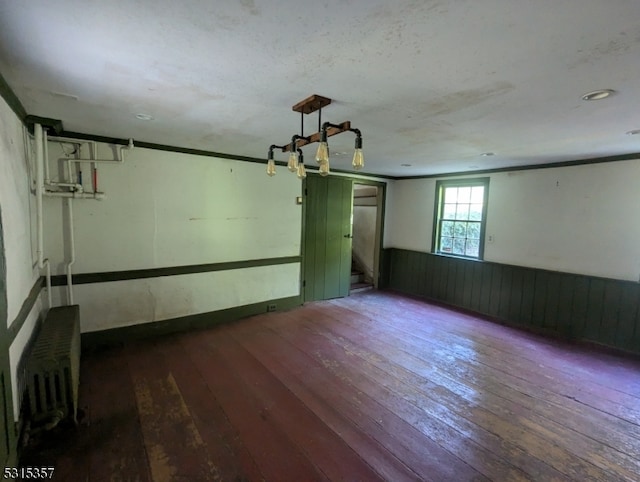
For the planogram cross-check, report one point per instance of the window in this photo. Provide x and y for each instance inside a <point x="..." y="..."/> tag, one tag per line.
<point x="460" y="215"/>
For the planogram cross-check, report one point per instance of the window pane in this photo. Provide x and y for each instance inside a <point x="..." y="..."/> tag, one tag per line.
<point x="475" y="213"/>
<point x="477" y="194"/>
<point x="458" y="245"/>
<point x="451" y="195"/>
<point x="472" y="248"/>
<point x="460" y="217"/>
<point x="473" y="230"/>
<point x="464" y="194"/>
<point x="446" y="244"/>
<point x="449" y="211"/>
<point x="447" y="228"/>
<point x="462" y="211"/>
<point x="460" y="230"/>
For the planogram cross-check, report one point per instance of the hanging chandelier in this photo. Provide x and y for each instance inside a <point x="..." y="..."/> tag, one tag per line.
<point x="326" y="130"/>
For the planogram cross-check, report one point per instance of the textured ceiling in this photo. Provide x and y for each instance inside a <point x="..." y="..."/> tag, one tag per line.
<point x="433" y="84"/>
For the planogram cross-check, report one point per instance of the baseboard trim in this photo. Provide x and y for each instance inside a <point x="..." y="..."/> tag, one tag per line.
<point x="118" y="336"/>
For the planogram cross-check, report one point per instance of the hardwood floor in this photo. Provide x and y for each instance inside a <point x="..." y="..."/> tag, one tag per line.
<point x="371" y="387"/>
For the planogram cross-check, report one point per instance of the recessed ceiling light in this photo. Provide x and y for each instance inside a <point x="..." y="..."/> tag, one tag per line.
<point x="405" y="165"/>
<point x="598" y="94"/>
<point x="488" y="154"/>
<point x="144" y="117"/>
<point x="473" y="167"/>
<point x="634" y="132"/>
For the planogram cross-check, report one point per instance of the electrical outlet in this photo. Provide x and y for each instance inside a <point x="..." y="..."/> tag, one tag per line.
<point x="491" y="238"/>
<point x="272" y="307"/>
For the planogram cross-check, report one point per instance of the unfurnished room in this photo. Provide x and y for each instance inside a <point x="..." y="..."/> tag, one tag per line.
<point x="355" y="240"/>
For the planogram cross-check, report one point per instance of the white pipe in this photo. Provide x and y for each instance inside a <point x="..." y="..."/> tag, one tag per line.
<point x="40" y="160"/>
<point x="45" y="146"/>
<point x="119" y="152"/>
<point x="37" y="130"/>
<point x="73" y="186"/>
<point x="72" y="243"/>
<point x="72" y="249"/>
<point x="99" y="196"/>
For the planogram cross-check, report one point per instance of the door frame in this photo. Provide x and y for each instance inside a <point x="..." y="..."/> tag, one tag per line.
<point x="380" y="207"/>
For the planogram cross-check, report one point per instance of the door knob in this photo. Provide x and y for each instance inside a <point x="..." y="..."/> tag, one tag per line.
<point x="348" y="236"/>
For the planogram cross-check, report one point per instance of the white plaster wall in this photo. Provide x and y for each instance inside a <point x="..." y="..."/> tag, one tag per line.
<point x="409" y="216"/>
<point x="125" y="303"/>
<point x="580" y="219"/>
<point x="168" y="209"/>
<point x="17" y="207"/>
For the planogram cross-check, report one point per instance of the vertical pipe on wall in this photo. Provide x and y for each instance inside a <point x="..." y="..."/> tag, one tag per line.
<point x="72" y="244"/>
<point x="41" y="161"/>
<point x="45" y="147"/>
<point x="37" y="132"/>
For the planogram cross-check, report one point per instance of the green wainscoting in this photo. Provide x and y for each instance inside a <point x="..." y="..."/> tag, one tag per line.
<point x="578" y="307"/>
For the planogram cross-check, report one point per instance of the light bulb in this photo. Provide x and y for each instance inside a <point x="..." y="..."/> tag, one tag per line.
<point x="324" y="169"/>
<point x="302" y="172"/>
<point x="322" y="155"/>
<point x="292" y="165"/>
<point x="271" y="167"/>
<point x="358" y="159"/>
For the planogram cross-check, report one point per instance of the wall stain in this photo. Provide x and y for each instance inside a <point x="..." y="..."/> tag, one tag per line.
<point x="250" y="6"/>
<point x="465" y="98"/>
<point x="618" y="45"/>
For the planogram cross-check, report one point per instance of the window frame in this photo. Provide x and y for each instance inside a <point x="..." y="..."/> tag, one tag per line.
<point x="441" y="185"/>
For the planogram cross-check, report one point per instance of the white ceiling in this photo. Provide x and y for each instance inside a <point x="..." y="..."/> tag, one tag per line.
<point x="429" y="83"/>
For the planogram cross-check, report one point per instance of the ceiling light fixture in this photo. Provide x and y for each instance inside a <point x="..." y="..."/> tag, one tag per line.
<point x="598" y="94"/>
<point x="144" y="117"/>
<point x="326" y="130"/>
<point x="634" y="132"/>
<point x="488" y="154"/>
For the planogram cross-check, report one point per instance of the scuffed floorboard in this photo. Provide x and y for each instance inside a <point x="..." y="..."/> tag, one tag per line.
<point x="371" y="387"/>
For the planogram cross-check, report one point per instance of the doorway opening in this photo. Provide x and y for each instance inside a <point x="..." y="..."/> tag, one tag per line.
<point x="342" y="229"/>
<point x="366" y="235"/>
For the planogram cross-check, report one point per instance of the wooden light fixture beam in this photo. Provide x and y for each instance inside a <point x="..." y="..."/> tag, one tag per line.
<point x="314" y="103"/>
<point x="311" y="104"/>
<point x="315" y="137"/>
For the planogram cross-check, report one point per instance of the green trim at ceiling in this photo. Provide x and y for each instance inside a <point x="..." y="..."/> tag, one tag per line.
<point x="97" y="339"/>
<point x="578" y="162"/>
<point x="86" y="278"/>
<point x="26" y="308"/>
<point x="12" y="99"/>
<point x="352" y="174"/>
<point x="16" y="105"/>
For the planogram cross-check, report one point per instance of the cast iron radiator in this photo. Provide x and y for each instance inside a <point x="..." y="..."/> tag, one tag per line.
<point x="53" y="369"/>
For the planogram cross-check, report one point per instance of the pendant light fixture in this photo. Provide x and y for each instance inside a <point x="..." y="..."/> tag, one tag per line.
<point x="326" y="130"/>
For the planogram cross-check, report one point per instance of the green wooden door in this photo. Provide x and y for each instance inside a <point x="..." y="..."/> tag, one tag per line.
<point x="7" y="438"/>
<point x="327" y="237"/>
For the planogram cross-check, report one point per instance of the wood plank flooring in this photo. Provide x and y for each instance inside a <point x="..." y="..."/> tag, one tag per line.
<point x="372" y="387"/>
